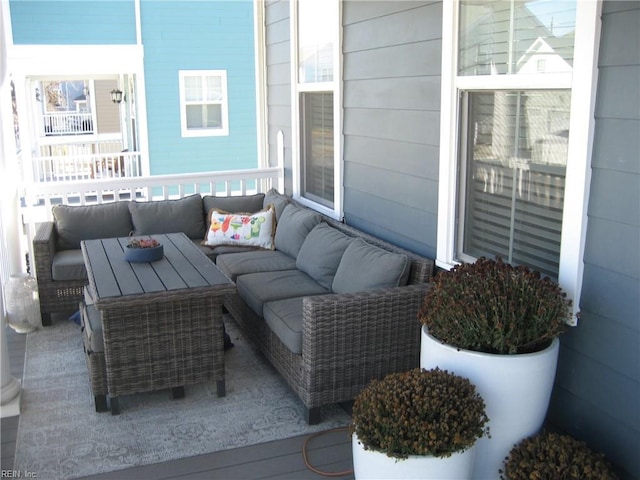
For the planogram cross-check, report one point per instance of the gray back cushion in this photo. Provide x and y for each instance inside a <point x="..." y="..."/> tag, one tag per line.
<point x="275" y="198"/>
<point x="169" y="216"/>
<point x="293" y="227"/>
<point x="366" y="267"/>
<point x="241" y="204"/>
<point x="87" y="222"/>
<point x="321" y="253"/>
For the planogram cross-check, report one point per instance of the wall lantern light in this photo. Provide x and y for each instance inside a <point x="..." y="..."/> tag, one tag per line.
<point x="116" y="96"/>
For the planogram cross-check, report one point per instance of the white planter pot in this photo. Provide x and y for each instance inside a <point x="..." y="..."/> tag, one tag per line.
<point x="516" y="390"/>
<point x="369" y="464"/>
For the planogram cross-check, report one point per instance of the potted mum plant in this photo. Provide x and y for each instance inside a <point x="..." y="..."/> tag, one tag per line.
<point x="497" y="325"/>
<point x="557" y="456"/>
<point x="417" y="424"/>
<point x="143" y="249"/>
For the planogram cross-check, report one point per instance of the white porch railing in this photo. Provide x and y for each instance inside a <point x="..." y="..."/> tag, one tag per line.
<point x="83" y="165"/>
<point x="67" y="123"/>
<point x="38" y="198"/>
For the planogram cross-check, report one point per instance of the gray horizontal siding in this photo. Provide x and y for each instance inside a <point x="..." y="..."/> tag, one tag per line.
<point x="387" y="219"/>
<point x="391" y="97"/>
<point x="613" y="140"/>
<point x="597" y="393"/>
<point x="398" y="125"/>
<point x="278" y="78"/>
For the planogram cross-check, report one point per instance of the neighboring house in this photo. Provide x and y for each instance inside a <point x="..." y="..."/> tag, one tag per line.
<point x="381" y="123"/>
<point x="186" y="70"/>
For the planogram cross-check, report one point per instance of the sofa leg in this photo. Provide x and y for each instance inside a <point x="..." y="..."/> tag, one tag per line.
<point x="177" y="392"/>
<point x="115" y="406"/>
<point x="46" y="319"/>
<point x="101" y="403"/>
<point x="220" y="387"/>
<point x="313" y="416"/>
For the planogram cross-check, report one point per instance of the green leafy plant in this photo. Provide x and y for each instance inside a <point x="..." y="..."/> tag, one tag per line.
<point x="419" y="412"/>
<point x="493" y="307"/>
<point x="555" y="456"/>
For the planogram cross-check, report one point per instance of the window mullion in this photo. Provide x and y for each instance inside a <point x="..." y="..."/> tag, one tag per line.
<point x="514" y="82"/>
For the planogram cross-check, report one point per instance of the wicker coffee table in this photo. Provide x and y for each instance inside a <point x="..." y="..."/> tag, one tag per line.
<point x="161" y="321"/>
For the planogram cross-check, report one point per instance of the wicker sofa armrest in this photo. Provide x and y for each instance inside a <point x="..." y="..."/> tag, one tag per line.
<point x="364" y="335"/>
<point x="44" y="249"/>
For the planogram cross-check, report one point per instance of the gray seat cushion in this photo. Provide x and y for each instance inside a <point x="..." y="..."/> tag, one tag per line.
<point x="169" y="216"/>
<point x="284" y="318"/>
<point x="213" y="252"/>
<point x="68" y="265"/>
<point x="235" y="264"/>
<point x="321" y="253"/>
<point x="293" y="227"/>
<point x="87" y="222"/>
<point x="258" y="288"/>
<point x="367" y="267"/>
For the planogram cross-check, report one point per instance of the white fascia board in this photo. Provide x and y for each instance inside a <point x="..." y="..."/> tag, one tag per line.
<point x="66" y="60"/>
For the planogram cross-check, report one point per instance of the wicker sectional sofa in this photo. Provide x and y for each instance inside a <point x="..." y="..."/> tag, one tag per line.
<point x="58" y="260"/>
<point x="329" y="306"/>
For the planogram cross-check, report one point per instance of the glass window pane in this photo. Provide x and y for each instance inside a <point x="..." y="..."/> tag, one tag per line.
<point x="213" y="114"/>
<point x="194" y="116"/>
<point x="515" y="173"/>
<point x="317" y="27"/>
<point x="316" y="111"/>
<point x="214" y="89"/>
<point x="516" y="37"/>
<point x="193" y="89"/>
<point x="204" y="116"/>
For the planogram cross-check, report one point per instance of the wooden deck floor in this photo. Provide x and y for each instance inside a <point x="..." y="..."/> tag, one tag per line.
<point x="282" y="459"/>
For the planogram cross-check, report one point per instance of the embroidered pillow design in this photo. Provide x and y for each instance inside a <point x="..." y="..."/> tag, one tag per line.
<point x="246" y="229"/>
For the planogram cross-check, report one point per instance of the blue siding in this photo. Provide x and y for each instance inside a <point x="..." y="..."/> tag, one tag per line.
<point x="105" y="22"/>
<point x="199" y="35"/>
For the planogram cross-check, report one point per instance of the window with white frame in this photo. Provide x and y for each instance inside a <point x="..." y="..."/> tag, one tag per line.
<point x="316" y="104"/>
<point x="203" y="103"/>
<point x="517" y="92"/>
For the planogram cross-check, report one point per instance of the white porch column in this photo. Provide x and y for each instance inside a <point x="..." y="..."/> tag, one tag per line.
<point x="9" y="386"/>
<point x="10" y="390"/>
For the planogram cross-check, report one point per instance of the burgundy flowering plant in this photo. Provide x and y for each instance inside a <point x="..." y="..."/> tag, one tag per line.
<point x="493" y="307"/>
<point x="419" y="412"/>
<point x="553" y="455"/>
<point x="142" y="242"/>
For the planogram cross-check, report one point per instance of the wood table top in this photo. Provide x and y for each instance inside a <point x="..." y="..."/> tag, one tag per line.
<point x="184" y="270"/>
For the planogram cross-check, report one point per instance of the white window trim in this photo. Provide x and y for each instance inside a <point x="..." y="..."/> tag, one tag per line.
<point x="204" y="132"/>
<point x="583" y="83"/>
<point x="336" y="87"/>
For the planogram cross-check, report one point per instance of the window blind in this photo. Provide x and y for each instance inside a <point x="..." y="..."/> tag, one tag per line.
<point x="317" y="146"/>
<point x="515" y="176"/>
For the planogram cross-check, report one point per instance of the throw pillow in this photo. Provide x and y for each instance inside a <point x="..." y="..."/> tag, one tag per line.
<point x="243" y="229"/>
<point x="367" y="267"/>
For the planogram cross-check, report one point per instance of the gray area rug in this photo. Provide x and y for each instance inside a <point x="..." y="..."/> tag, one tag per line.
<point x="61" y="436"/>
